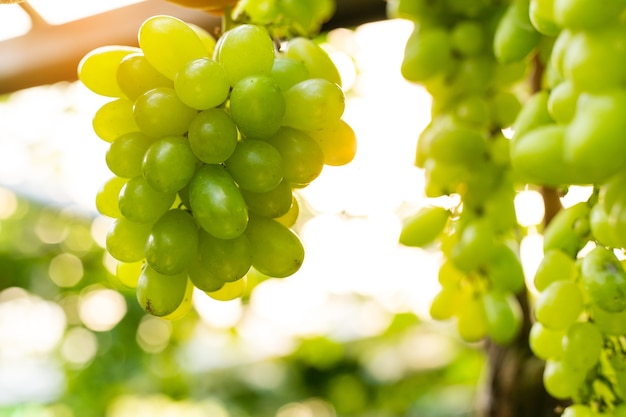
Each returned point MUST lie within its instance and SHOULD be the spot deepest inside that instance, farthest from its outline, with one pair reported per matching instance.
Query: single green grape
(562, 101)
(172, 243)
(107, 197)
(141, 203)
(302, 156)
(128, 272)
(255, 165)
(257, 106)
(276, 250)
(561, 381)
(601, 229)
(135, 75)
(273, 203)
(288, 72)
(315, 59)
(458, 146)
(169, 163)
(471, 320)
(544, 342)
(468, 37)
(185, 305)
(473, 110)
(604, 279)
(568, 230)
(159, 112)
(338, 143)
(585, 14)
(126, 240)
(422, 228)
(313, 104)
(504, 269)
(582, 345)
(475, 246)
(230, 290)
(503, 316)
(427, 53)
(504, 108)
(515, 37)
(446, 302)
(168, 44)
(216, 202)
(225, 259)
(113, 119)
(202, 278)
(158, 294)
(245, 50)
(559, 305)
(289, 219)
(541, 14)
(592, 142)
(538, 156)
(578, 410)
(554, 266)
(533, 114)
(202, 84)
(125, 154)
(213, 136)
(98, 68)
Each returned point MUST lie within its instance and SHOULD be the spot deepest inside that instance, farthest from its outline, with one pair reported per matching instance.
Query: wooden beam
(51, 53)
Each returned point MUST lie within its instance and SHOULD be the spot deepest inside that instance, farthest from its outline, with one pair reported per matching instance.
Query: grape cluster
(208, 142)
(580, 317)
(569, 133)
(470, 69)
(286, 17)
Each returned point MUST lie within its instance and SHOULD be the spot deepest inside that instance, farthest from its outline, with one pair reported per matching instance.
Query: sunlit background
(349, 334)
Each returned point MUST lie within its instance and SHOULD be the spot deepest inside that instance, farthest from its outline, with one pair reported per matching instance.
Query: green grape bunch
(209, 141)
(568, 132)
(463, 151)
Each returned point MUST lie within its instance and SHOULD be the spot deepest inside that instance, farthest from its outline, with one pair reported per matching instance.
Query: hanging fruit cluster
(209, 139)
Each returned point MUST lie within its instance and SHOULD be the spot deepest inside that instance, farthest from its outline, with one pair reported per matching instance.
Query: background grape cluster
(568, 132)
(208, 142)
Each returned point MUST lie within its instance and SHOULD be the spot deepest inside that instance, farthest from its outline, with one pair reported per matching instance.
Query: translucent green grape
(168, 164)
(125, 155)
(169, 43)
(97, 70)
(255, 165)
(141, 203)
(172, 243)
(213, 136)
(159, 112)
(302, 156)
(126, 240)
(257, 106)
(217, 203)
(158, 294)
(225, 259)
(276, 250)
(202, 84)
(245, 50)
(135, 75)
(313, 104)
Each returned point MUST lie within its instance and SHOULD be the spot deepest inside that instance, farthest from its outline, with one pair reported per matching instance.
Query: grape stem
(227, 19)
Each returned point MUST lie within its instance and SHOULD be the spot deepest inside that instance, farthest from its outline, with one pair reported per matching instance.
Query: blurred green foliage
(319, 376)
